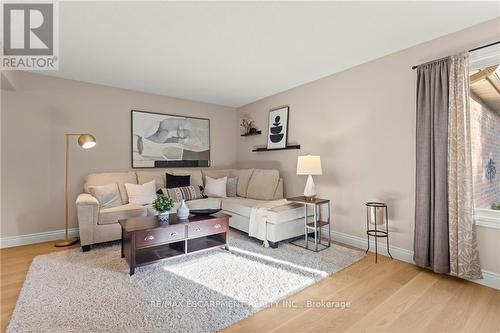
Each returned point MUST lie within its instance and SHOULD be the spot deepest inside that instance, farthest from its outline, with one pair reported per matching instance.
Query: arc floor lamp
(86, 141)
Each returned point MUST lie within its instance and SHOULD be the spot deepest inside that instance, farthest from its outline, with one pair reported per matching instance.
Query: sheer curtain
(464, 255)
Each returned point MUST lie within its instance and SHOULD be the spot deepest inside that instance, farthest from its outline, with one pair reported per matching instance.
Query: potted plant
(247, 125)
(163, 205)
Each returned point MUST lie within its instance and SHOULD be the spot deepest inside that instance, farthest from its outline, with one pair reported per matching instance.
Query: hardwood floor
(391, 296)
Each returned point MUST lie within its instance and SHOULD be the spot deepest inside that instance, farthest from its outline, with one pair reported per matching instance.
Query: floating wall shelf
(286, 148)
(254, 133)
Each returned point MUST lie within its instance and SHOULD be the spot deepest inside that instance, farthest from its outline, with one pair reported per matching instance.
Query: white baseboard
(490, 279)
(396, 252)
(36, 238)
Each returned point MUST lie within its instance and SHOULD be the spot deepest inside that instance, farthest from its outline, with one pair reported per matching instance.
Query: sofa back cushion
(144, 177)
(120, 178)
(263, 184)
(243, 179)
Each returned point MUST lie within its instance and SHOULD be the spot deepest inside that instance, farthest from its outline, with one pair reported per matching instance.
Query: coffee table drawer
(204, 228)
(161, 235)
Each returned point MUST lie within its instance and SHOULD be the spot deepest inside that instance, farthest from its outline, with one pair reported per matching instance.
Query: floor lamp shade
(309, 165)
(86, 141)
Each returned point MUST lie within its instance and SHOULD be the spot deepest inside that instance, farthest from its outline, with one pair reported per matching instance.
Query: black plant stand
(377, 233)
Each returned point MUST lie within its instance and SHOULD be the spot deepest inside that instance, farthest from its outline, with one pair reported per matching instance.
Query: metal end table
(316, 225)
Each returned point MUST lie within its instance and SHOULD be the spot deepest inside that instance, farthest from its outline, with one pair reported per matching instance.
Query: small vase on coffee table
(163, 217)
(183, 211)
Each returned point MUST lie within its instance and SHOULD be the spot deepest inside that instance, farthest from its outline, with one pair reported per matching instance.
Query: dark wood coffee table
(146, 241)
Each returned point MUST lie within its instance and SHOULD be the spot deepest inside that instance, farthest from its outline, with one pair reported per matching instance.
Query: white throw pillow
(107, 195)
(141, 194)
(215, 188)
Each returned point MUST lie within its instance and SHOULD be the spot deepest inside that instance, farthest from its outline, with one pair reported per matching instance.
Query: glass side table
(315, 226)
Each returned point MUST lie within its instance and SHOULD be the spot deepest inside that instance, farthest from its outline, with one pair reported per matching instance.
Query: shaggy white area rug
(72, 291)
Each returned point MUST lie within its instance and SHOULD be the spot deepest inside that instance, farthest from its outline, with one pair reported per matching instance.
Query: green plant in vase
(163, 205)
(495, 206)
(247, 124)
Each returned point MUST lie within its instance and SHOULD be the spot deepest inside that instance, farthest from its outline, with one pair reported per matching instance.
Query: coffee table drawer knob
(150, 237)
(217, 226)
(173, 234)
(197, 229)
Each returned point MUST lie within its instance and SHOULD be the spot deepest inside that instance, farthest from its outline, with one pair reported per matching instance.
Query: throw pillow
(215, 187)
(174, 181)
(141, 194)
(183, 193)
(107, 195)
(232, 186)
(202, 189)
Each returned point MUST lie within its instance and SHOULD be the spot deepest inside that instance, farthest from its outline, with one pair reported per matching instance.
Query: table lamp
(309, 165)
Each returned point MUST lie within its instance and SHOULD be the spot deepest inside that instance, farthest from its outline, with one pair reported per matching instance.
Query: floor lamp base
(66, 242)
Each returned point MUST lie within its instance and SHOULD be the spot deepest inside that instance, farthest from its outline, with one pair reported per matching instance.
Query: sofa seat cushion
(240, 206)
(207, 203)
(112, 215)
(285, 213)
(276, 215)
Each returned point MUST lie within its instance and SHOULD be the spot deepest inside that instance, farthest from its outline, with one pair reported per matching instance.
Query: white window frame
(488, 218)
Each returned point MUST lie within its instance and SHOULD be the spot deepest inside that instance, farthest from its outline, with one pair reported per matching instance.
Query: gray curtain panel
(431, 240)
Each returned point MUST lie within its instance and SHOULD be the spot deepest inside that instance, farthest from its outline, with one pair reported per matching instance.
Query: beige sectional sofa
(255, 187)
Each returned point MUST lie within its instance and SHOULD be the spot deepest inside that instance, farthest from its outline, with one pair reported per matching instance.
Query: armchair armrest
(87, 209)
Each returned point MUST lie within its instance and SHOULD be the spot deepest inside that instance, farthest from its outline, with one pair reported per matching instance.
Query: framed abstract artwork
(163, 140)
(278, 128)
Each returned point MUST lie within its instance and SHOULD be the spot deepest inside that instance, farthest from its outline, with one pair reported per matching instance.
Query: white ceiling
(231, 53)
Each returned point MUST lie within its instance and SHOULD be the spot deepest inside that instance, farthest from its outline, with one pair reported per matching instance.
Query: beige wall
(489, 248)
(41, 109)
(362, 123)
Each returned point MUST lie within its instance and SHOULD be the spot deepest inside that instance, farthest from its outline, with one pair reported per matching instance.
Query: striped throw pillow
(182, 193)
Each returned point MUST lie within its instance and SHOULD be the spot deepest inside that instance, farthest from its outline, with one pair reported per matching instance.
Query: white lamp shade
(309, 165)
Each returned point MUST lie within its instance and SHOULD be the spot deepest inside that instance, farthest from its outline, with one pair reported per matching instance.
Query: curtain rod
(471, 50)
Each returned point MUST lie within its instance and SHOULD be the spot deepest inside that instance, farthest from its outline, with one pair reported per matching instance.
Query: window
(485, 134)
